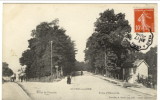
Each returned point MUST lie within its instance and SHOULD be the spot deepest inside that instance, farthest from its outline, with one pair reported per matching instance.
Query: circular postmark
(141, 41)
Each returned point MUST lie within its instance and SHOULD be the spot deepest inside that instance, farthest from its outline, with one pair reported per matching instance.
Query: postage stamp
(144, 20)
(144, 23)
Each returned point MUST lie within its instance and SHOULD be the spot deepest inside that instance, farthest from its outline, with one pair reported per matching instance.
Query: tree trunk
(107, 73)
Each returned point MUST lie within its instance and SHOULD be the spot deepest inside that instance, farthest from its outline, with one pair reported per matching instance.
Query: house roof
(132, 64)
(138, 62)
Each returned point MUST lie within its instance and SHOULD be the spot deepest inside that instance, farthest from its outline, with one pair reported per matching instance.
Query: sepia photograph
(79, 51)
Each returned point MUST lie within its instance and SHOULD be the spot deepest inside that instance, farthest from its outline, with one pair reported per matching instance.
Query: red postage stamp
(144, 20)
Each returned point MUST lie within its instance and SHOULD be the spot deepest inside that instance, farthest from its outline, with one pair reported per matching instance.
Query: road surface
(86, 87)
(12, 91)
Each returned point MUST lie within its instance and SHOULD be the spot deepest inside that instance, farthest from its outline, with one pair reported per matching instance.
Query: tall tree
(6, 71)
(111, 38)
(38, 56)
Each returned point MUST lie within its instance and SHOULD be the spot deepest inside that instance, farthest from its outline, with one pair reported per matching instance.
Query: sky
(77, 19)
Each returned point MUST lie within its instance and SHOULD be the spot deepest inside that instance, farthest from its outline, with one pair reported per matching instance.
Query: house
(139, 70)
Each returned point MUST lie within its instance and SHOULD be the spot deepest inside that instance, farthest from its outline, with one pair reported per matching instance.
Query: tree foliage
(81, 66)
(111, 38)
(38, 57)
(6, 71)
(151, 59)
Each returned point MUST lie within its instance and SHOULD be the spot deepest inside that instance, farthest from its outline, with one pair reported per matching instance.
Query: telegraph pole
(51, 57)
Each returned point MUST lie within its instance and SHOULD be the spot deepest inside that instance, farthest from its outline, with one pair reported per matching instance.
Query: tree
(111, 39)
(80, 66)
(90, 52)
(6, 71)
(38, 57)
(27, 59)
(151, 59)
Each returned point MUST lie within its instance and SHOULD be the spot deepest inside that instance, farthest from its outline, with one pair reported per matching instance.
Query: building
(139, 69)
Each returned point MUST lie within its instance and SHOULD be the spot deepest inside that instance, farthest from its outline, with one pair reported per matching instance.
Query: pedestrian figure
(81, 72)
(68, 79)
(13, 77)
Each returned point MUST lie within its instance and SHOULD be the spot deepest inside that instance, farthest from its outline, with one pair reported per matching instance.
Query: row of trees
(6, 71)
(108, 49)
(37, 57)
(81, 66)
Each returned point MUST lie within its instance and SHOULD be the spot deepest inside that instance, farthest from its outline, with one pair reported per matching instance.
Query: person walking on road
(68, 79)
(81, 72)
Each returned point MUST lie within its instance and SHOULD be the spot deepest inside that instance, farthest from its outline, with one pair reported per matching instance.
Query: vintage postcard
(79, 52)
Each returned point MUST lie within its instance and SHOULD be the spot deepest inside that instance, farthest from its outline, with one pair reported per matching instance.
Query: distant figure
(22, 77)
(68, 79)
(13, 77)
(81, 72)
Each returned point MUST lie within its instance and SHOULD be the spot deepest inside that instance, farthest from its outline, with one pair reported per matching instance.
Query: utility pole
(105, 58)
(51, 57)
